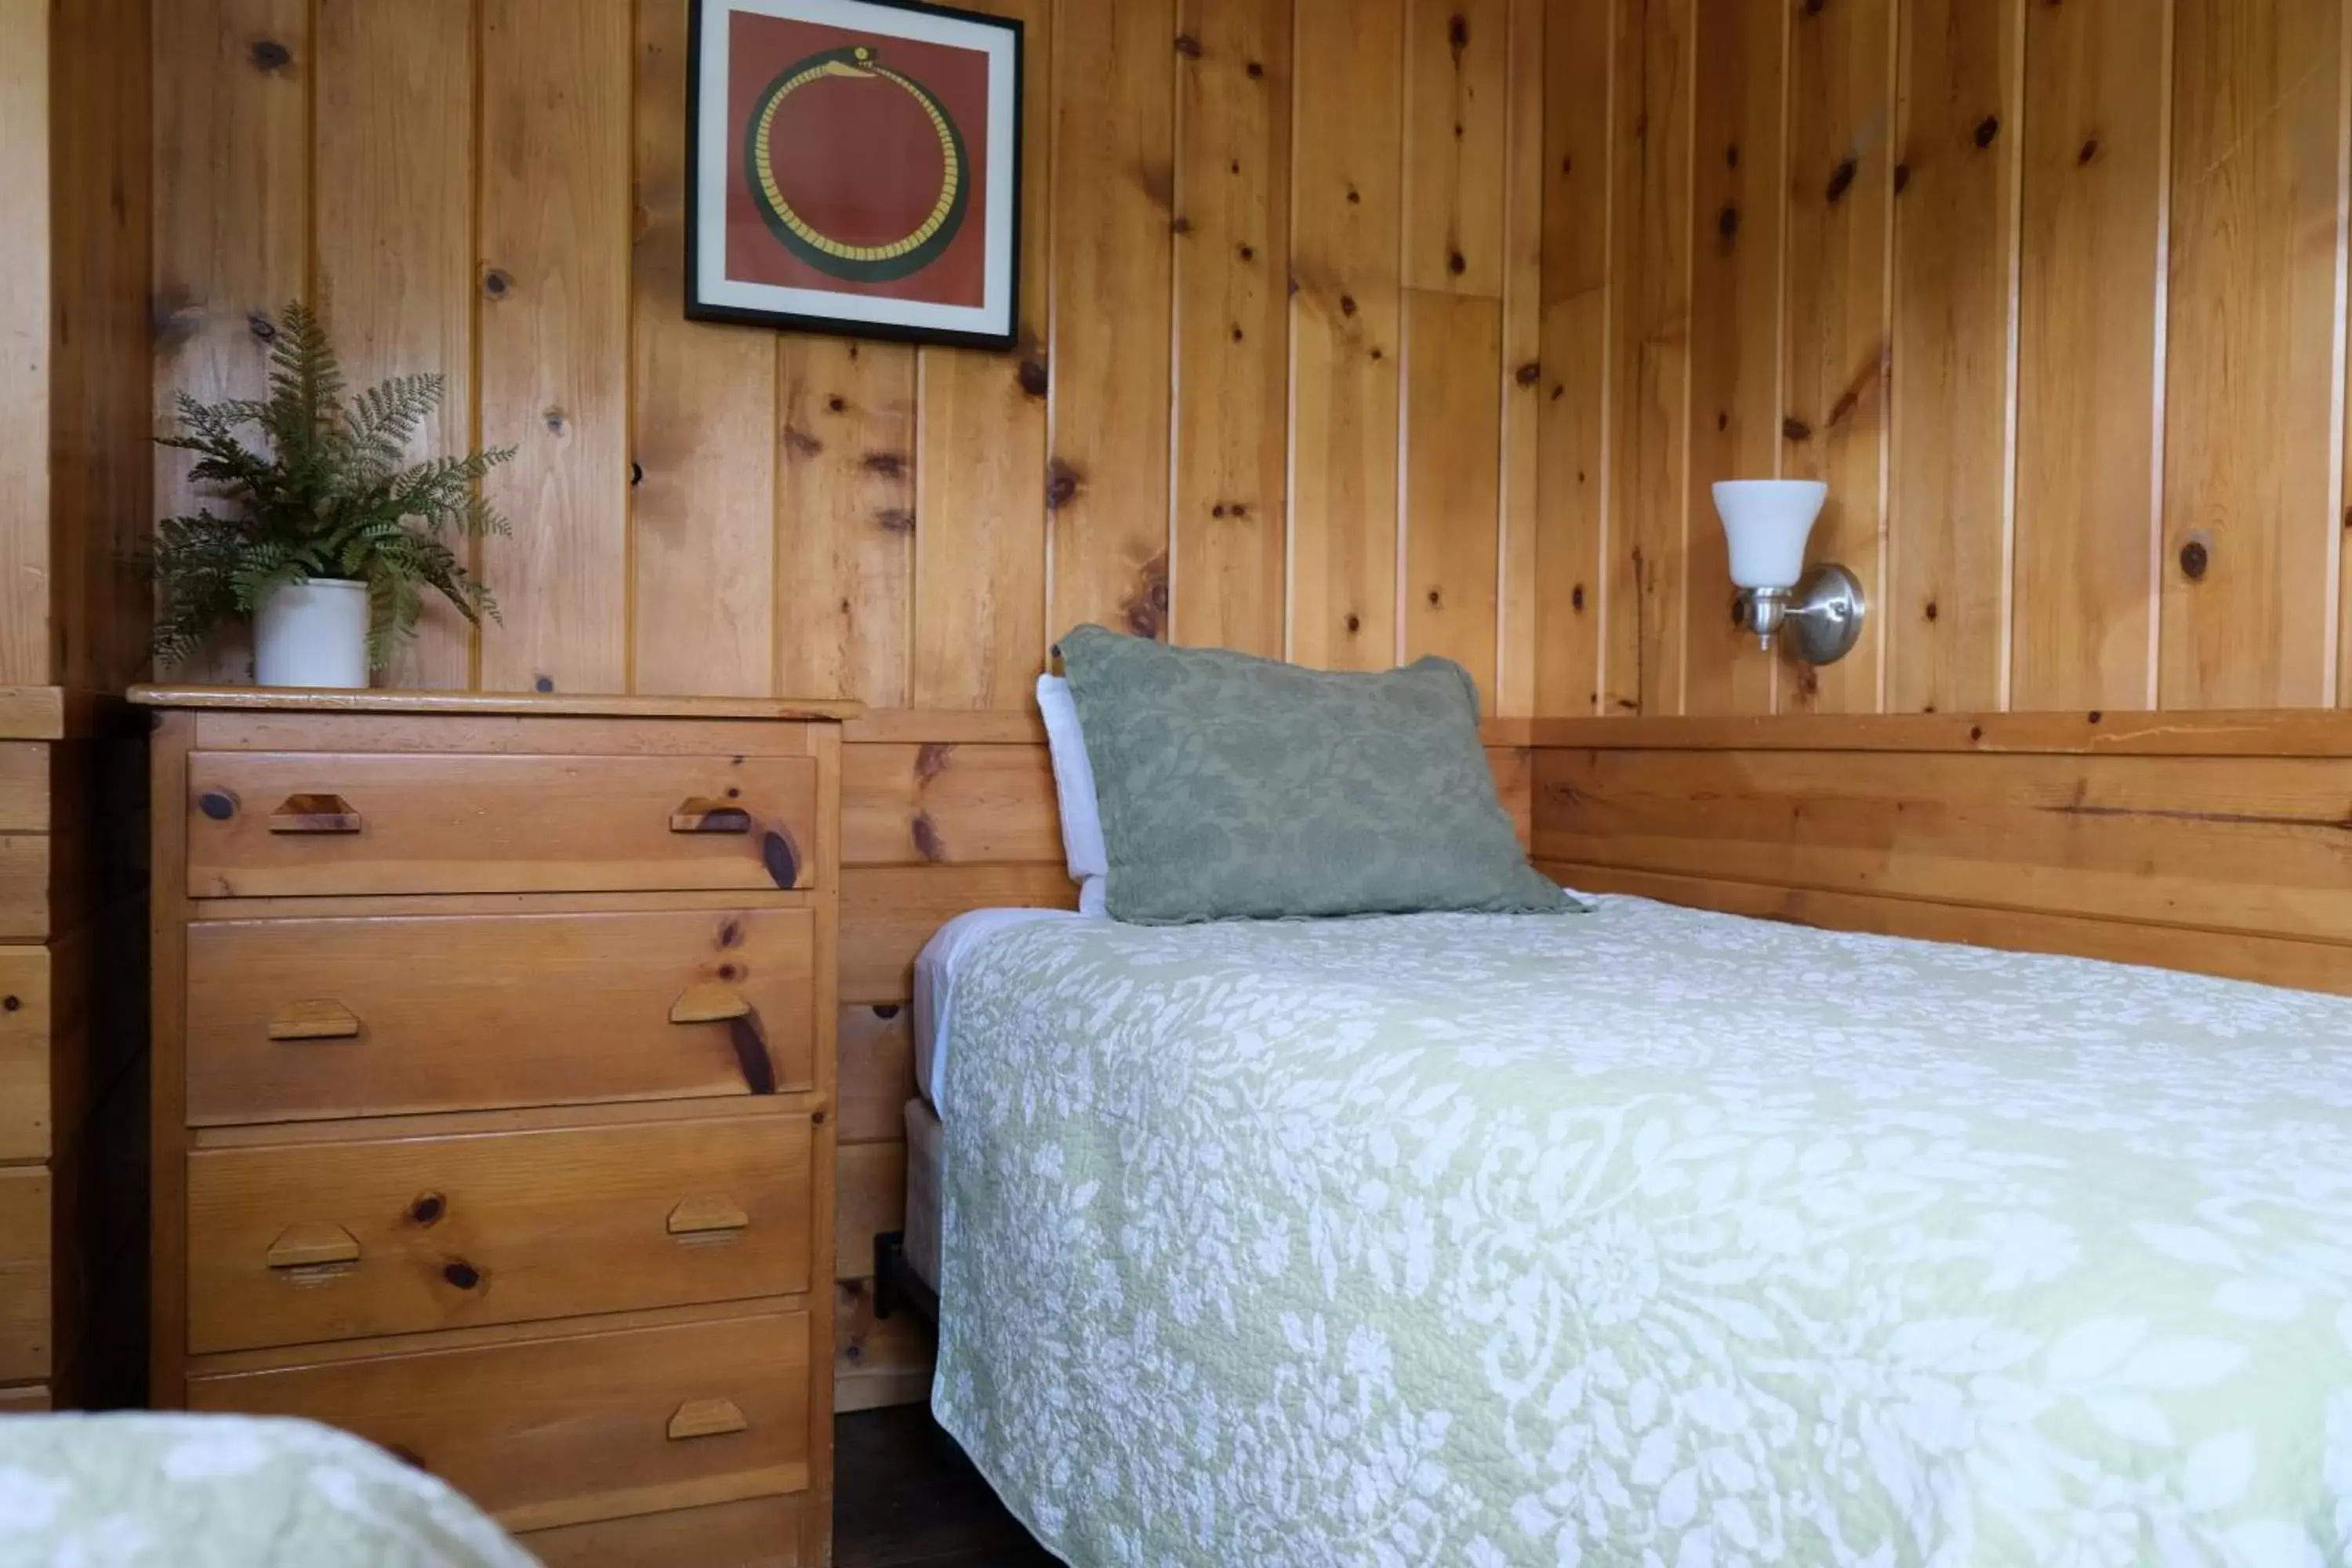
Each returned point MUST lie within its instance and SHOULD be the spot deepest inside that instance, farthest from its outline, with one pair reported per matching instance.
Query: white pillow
(1074, 786)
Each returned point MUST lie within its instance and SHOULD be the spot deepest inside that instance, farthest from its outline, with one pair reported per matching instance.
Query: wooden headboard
(2220, 843)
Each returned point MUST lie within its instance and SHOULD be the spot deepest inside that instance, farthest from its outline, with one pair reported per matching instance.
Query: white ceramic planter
(312, 634)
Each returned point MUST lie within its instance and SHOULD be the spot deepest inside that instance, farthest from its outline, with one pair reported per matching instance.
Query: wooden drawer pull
(314, 1021)
(700, 1216)
(703, 814)
(709, 1001)
(308, 1245)
(314, 814)
(705, 1418)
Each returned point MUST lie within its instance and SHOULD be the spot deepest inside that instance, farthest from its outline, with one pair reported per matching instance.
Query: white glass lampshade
(1766, 522)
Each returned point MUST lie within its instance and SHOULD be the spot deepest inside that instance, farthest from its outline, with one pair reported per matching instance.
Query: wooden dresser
(493, 1081)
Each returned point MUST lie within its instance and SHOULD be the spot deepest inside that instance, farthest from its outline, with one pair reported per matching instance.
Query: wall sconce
(1766, 522)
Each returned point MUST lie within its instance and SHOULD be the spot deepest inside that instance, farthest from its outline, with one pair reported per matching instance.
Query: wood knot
(925, 836)
(1355, 624)
(1031, 377)
(1841, 179)
(1237, 334)
(2194, 561)
(1528, 375)
(1457, 264)
(217, 804)
(428, 1208)
(1256, 70)
(932, 759)
(1902, 177)
(836, 404)
(496, 283)
(1062, 485)
(1795, 429)
(1433, 598)
(269, 54)
(730, 933)
(800, 443)
(12, 1003)
(1457, 32)
(1931, 609)
(1726, 222)
(1347, 304)
(1181, 226)
(1731, 157)
(2089, 150)
(1976, 731)
(461, 1274)
(885, 465)
(1576, 598)
(1249, 253)
(1986, 130)
(555, 420)
(778, 854)
(636, 474)
(1188, 46)
(895, 520)
(2096, 714)
(1355, 196)
(261, 327)
(542, 684)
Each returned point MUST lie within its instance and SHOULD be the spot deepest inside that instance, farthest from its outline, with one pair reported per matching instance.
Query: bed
(1646, 1236)
(227, 1492)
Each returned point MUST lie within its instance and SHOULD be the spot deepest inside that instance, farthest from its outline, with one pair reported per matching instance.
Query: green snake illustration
(856, 263)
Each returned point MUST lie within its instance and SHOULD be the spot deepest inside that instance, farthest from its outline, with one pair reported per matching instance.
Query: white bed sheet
(936, 968)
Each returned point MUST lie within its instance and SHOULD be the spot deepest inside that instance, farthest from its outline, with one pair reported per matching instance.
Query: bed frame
(2220, 843)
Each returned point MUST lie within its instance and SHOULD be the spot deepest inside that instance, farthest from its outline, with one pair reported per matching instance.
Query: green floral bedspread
(225, 1491)
(1653, 1238)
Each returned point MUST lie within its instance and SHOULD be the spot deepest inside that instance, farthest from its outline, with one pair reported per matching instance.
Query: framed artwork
(855, 167)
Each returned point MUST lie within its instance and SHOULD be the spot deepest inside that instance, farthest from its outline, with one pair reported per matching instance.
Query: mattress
(936, 968)
(925, 1144)
(1643, 1236)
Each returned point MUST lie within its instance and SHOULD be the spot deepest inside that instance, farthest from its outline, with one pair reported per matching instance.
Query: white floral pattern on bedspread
(1650, 1236)
(227, 1492)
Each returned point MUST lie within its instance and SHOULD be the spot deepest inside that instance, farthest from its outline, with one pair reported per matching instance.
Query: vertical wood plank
(702, 494)
(1737, 199)
(2250, 539)
(1344, 328)
(1232, 302)
(1580, 56)
(1452, 444)
(980, 541)
(1650, 223)
(25, 370)
(555, 227)
(2087, 266)
(232, 218)
(1457, 85)
(1944, 615)
(1841, 179)
(845, 512)
(395, 237)
(1113, 194)
(1517, 606)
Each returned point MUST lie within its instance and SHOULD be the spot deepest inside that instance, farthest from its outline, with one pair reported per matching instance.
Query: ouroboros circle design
(855, 263)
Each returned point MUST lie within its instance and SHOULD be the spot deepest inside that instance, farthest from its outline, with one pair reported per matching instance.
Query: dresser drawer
(268, 823)
(373, 1017)
(758, 1533)
(24, 1273)
(298, 1243)
(546, 1432)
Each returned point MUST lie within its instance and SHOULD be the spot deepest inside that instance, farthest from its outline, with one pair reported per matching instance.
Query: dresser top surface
(310, 699)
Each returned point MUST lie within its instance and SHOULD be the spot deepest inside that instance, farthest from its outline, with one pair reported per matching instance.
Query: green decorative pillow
(1238, 787)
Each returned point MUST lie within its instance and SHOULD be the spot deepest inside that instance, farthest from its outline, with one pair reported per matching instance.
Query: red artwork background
(859, 159)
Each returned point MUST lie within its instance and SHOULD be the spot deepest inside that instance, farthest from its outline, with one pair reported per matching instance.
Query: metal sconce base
(1821, 616)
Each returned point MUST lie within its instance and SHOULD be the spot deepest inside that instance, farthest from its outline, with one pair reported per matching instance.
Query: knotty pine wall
(1281, 294)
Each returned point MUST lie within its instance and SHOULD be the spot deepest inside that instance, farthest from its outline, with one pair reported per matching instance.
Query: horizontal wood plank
(870, 1188)
(2316, 733)
(2270, 961)
(2235, 844)
(878, 1362)
(765, 1532)
(911, 804)
(577, 705)
(877, 1074)
(888, 913)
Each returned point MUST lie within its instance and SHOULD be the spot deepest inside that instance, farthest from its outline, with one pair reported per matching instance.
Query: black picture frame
(699, 308)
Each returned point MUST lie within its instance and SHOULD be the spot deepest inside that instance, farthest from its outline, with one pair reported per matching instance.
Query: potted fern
(332, 539)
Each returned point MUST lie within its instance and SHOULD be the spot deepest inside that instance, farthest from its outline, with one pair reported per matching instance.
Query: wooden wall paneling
(1957, 137)
(1579, 55)
(101, 387)
(2251, 540)
(1453, 473)
(877, 1044)
(1232, 336)
(393, 236)
(2088, 340)
(1518, 607)
(1839, 371)
(1345, 329)
(555, 233)
(845, 518)
(980, 541)
(877, 1361)
(25, 362)
(936, 803)
(704, 512)
(1646, 567)
(888, 912)
(1112, 216)
(1457, 86)
(232, 184)
(1737, 202)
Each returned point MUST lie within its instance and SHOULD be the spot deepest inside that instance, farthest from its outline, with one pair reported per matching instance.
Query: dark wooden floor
(905, 1496)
